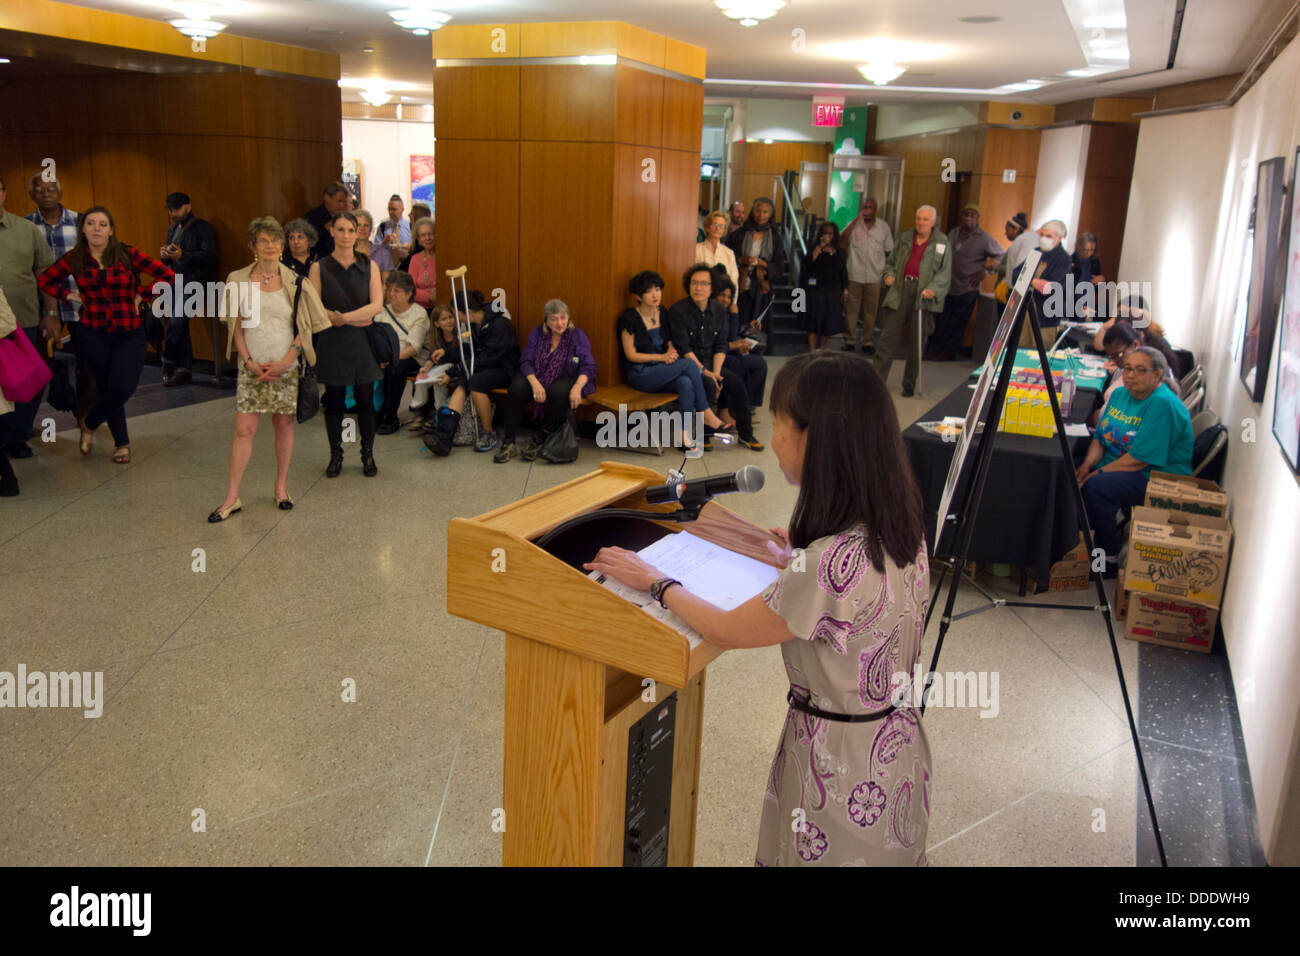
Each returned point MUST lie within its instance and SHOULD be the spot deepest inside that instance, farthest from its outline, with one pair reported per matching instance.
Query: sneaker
(507, 451)
(534, 448)
(486, 442)
(752, 443)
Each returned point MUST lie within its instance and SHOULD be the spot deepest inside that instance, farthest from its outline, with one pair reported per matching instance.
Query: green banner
(850, 139)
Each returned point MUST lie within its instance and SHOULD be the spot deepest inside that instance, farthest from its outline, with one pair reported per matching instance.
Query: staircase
(784, 337)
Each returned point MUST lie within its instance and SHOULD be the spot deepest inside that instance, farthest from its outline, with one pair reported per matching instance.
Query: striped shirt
(61, 236)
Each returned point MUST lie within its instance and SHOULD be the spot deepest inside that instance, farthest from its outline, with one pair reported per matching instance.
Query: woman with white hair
(556, 369)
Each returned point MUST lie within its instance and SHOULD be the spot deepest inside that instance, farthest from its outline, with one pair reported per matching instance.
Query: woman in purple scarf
(556, 370)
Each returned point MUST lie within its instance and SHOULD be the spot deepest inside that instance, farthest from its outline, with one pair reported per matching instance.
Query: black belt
(804, 707)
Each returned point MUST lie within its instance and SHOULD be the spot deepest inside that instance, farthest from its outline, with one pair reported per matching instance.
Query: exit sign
(828, 114)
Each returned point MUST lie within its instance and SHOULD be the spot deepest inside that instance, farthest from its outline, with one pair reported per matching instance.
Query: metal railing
(791, 229)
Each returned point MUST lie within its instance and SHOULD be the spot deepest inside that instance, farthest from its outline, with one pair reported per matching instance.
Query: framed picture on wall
(1286, 402)
(1262, 299)
(422, 179)
(352, 178)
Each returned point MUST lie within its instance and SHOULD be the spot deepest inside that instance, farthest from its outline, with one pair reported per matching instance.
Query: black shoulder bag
(308, 388)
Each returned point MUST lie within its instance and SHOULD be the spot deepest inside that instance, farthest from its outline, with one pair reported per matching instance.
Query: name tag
(940, 249)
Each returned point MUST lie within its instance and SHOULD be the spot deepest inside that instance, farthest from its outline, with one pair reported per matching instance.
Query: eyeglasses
(1136, 369)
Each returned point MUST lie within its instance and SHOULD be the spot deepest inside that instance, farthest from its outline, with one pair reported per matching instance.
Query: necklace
(266, 279)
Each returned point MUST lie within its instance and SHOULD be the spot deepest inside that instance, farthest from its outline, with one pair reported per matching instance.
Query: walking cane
(920, 338)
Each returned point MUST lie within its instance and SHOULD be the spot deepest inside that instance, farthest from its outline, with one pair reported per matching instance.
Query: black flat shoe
(222, 514)
(284, 504)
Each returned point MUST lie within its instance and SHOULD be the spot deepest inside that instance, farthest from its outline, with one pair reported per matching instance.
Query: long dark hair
(114, 253)
(855, 468)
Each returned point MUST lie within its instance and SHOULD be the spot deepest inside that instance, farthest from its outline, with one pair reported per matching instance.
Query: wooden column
(568, 160)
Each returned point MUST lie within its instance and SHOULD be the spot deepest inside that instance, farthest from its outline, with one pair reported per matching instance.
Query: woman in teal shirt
(1144, 426)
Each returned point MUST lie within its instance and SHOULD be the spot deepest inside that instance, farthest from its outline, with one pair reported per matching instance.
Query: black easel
(968, 509)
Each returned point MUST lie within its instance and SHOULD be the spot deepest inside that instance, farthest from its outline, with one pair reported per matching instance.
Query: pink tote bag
(22, 373)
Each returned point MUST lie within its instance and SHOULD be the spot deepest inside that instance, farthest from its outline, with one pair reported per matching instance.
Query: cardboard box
(1072, 573)
(1178, 555)
(1166, 621)
(1186, 494)
(1121, 596)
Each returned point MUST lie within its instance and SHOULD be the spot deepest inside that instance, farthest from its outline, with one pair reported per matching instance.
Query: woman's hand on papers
(626, 567)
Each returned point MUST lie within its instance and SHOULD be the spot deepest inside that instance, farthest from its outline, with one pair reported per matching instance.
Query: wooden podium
(576, 659)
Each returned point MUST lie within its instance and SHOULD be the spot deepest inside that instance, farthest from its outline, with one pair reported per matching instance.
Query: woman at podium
(850, 782)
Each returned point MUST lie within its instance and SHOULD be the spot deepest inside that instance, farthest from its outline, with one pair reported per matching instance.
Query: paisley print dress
(845, 794)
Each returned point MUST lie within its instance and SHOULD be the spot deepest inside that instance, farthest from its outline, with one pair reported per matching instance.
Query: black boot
(334, 431)
(8, 480)
(366, 419)
(444, 432)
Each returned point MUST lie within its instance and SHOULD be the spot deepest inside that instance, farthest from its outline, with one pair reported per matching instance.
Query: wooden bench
(610, 398)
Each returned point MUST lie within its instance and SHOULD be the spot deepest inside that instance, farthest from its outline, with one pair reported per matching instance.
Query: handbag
(561, 445)
(308, 388)
(383, 343)
(467, 428)
(22, 371)
(62, 395)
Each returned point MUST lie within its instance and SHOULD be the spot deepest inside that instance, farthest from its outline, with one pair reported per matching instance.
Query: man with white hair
(918, 274)
(1052, 269)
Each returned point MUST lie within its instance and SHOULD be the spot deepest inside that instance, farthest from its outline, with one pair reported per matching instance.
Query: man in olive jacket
(918, 273)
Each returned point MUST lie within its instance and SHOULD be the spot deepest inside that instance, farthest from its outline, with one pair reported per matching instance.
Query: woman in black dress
(826, 281)
(353, 295)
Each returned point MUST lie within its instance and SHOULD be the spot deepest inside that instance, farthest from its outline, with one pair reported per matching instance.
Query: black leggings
(115, 359)
(335, 397)
(557, 404)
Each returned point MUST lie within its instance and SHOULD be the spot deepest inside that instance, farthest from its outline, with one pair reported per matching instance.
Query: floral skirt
(262, 398)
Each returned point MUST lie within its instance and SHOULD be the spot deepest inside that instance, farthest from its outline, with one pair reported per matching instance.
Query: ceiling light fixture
(419, 20)
(749, 12)
(376, 96)
(197, 21)
(881, 73)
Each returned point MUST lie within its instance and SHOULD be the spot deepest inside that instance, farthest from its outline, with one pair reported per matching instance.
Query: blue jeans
(682, 377)
(1103, 495)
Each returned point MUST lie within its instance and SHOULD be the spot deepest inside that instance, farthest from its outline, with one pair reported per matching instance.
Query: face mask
(1046, 243)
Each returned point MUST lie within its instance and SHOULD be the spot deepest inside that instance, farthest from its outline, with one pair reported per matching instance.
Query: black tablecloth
(1028, 514)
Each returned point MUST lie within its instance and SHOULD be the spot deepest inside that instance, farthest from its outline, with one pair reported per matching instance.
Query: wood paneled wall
(760, 162)
(241, 144)
(998, 201)
(923, 166)
(563, 181)
(1107, 181)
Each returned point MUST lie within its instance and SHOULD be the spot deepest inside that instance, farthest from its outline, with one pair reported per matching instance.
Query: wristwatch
(659, 587)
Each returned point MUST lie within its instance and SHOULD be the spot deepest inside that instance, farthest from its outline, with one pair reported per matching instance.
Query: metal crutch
(920, 343)
(463, 334)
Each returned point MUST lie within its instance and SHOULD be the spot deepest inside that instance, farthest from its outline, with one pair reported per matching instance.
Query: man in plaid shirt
(59, 226)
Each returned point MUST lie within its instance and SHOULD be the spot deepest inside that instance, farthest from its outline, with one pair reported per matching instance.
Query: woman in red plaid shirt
(111, 342)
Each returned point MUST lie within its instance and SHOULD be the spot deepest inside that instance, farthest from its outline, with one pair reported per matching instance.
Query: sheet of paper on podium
(719, 576)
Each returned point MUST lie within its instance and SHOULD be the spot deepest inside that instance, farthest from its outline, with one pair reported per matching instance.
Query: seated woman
(1143, 426)
(442, 348)
(741, 360)
(1121, 338)
(556, 370)
(496, 359)
(411, 323)
(853, 763)
(698, 327)
(653, 364)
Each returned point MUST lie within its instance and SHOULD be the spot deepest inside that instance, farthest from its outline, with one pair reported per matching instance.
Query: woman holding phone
(852, 767)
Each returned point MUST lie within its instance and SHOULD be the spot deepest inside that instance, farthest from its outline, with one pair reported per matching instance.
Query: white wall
(1058, 188)
(384, 148)
(785, 121)
(1193, 182)
(916, 118)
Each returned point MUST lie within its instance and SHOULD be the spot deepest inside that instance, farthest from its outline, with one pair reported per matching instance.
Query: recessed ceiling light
(979, 19)
(749, 12)
(419, 17)
(367, 49)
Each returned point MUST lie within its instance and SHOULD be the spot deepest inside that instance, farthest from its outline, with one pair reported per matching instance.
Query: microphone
(749, 479)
